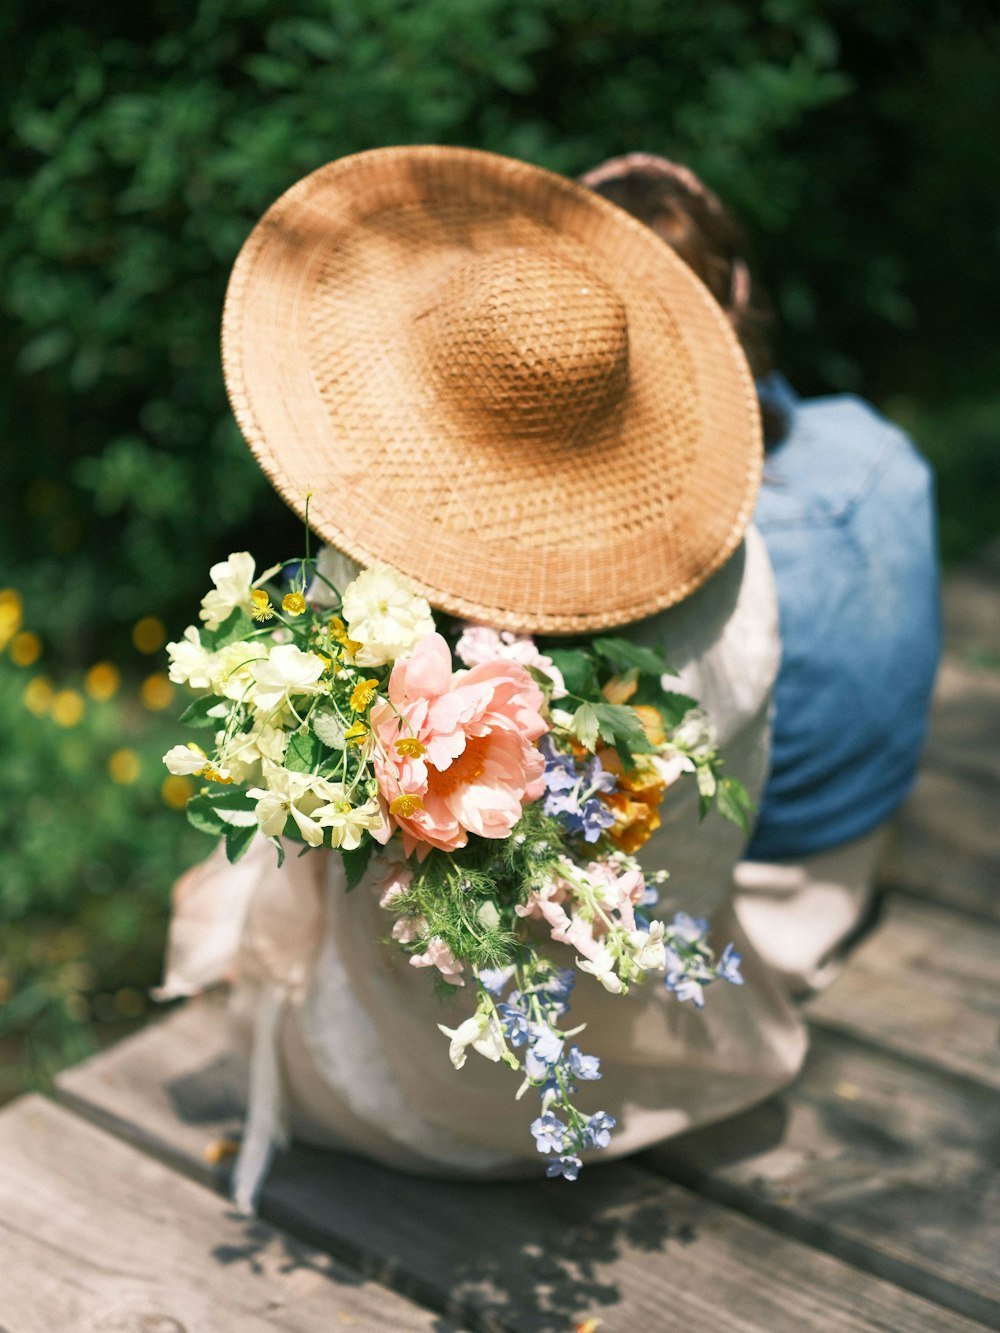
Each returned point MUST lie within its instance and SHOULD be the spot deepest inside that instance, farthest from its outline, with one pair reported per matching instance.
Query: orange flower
(620, 689)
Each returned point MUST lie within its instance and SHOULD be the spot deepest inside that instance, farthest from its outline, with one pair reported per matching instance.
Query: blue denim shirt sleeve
(847, 513)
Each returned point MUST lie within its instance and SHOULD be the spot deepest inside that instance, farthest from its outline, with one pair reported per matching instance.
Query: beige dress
(343, 1033)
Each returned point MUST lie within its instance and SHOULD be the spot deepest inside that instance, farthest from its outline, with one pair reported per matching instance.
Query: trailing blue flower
(584, 1067)
(597, 1133)
(567, 1166)
(728, 966)
(514, 1022)
(549, 1132)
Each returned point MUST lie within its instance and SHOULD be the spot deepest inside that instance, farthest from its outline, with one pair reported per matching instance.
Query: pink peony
(479, 763)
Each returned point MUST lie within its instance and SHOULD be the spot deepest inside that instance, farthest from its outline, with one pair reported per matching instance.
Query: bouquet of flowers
(493, 794)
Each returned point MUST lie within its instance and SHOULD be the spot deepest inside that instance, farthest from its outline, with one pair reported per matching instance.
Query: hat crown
(536, 337)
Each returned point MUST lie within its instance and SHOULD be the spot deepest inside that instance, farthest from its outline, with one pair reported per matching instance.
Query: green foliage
(88, 866)
(142, 147)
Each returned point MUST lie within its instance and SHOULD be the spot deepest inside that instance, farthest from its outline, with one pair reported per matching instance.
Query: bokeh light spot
(67, 708)
(38, 695)
(26, 648)
(102, 680)
(157, 692)
(149, 634)
(124, 767)
(176, 791)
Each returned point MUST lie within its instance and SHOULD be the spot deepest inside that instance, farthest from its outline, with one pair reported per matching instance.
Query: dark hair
(671, 200)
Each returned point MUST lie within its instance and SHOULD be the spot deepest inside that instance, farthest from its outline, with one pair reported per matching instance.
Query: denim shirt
(847, 513)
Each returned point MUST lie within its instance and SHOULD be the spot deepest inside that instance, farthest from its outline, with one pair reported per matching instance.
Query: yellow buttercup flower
(338, 632)
(262, 608)
(293, 603)
(405, 805)
(410, 748)
(362, 694)
(356, 734)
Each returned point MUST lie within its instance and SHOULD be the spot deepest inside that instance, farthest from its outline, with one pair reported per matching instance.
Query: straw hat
(496, 381)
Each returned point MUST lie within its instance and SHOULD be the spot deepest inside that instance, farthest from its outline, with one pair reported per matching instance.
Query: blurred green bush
(142, 142)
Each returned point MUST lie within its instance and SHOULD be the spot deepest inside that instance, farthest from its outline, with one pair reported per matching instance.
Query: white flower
(332, 566)
(385, 616)
(480, 644)
(232, 667)
(345, 821)
(286, 671)
(233, 579)
(647, 948)
(481, 1032)
(408, 928)
(602, 967)
(184, 760)
(437, 954)
(696, 735)
(190, 663)
(671, 764)
(247, 751)
(288, 793)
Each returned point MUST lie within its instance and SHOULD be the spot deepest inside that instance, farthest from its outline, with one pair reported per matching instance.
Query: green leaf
(201, 814)
(586, 725)
(356, 863)
(281, 851)
(620, 726)
(577, 668)
(238, 841)
(304, 752)
(236, 626)
(196, 713)
(733, 803)
(625, 656)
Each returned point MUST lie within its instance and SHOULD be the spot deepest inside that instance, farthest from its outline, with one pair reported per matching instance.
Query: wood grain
(925, 984)
(99, 1238)
(621, 1244)
(882, 1162)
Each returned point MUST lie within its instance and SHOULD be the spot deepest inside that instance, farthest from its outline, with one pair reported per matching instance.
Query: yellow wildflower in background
(38, 696)
(67, 708)
(362, 694)
(102, 680)
(149, 634)
(124, 766)
(294, 603)
(156, 692)
(10, 615)
(175, 791)
(26, 648)
(410, 748)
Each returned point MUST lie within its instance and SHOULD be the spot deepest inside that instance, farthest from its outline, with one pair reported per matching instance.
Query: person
(847, 514)
(493, 380)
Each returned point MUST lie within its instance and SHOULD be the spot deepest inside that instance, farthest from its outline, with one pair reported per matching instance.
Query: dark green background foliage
(142, 142)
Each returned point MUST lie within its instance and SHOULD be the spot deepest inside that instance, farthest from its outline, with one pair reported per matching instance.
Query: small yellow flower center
(410, 748)
(406, 805)
(214, 775)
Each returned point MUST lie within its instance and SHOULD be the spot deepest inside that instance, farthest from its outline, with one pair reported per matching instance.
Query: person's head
(671, 200)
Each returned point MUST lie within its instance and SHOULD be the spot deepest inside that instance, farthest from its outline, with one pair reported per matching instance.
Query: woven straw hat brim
(354, 378)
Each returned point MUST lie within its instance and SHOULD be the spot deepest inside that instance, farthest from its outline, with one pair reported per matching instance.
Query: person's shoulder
(838, 452)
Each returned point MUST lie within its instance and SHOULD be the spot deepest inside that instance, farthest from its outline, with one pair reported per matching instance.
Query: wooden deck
(866, 1197)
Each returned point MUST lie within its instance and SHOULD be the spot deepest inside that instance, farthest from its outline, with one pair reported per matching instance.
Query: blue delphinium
(571, 793)
(597, 1133)
(728, 966)
(567, 1166)
(549, 1132)
(583, 1066)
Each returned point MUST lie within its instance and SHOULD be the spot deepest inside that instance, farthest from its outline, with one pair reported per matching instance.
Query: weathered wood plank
(887, 1164)
(621, 1244)
(926, 984)
(965, 722)
(97, 1236)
